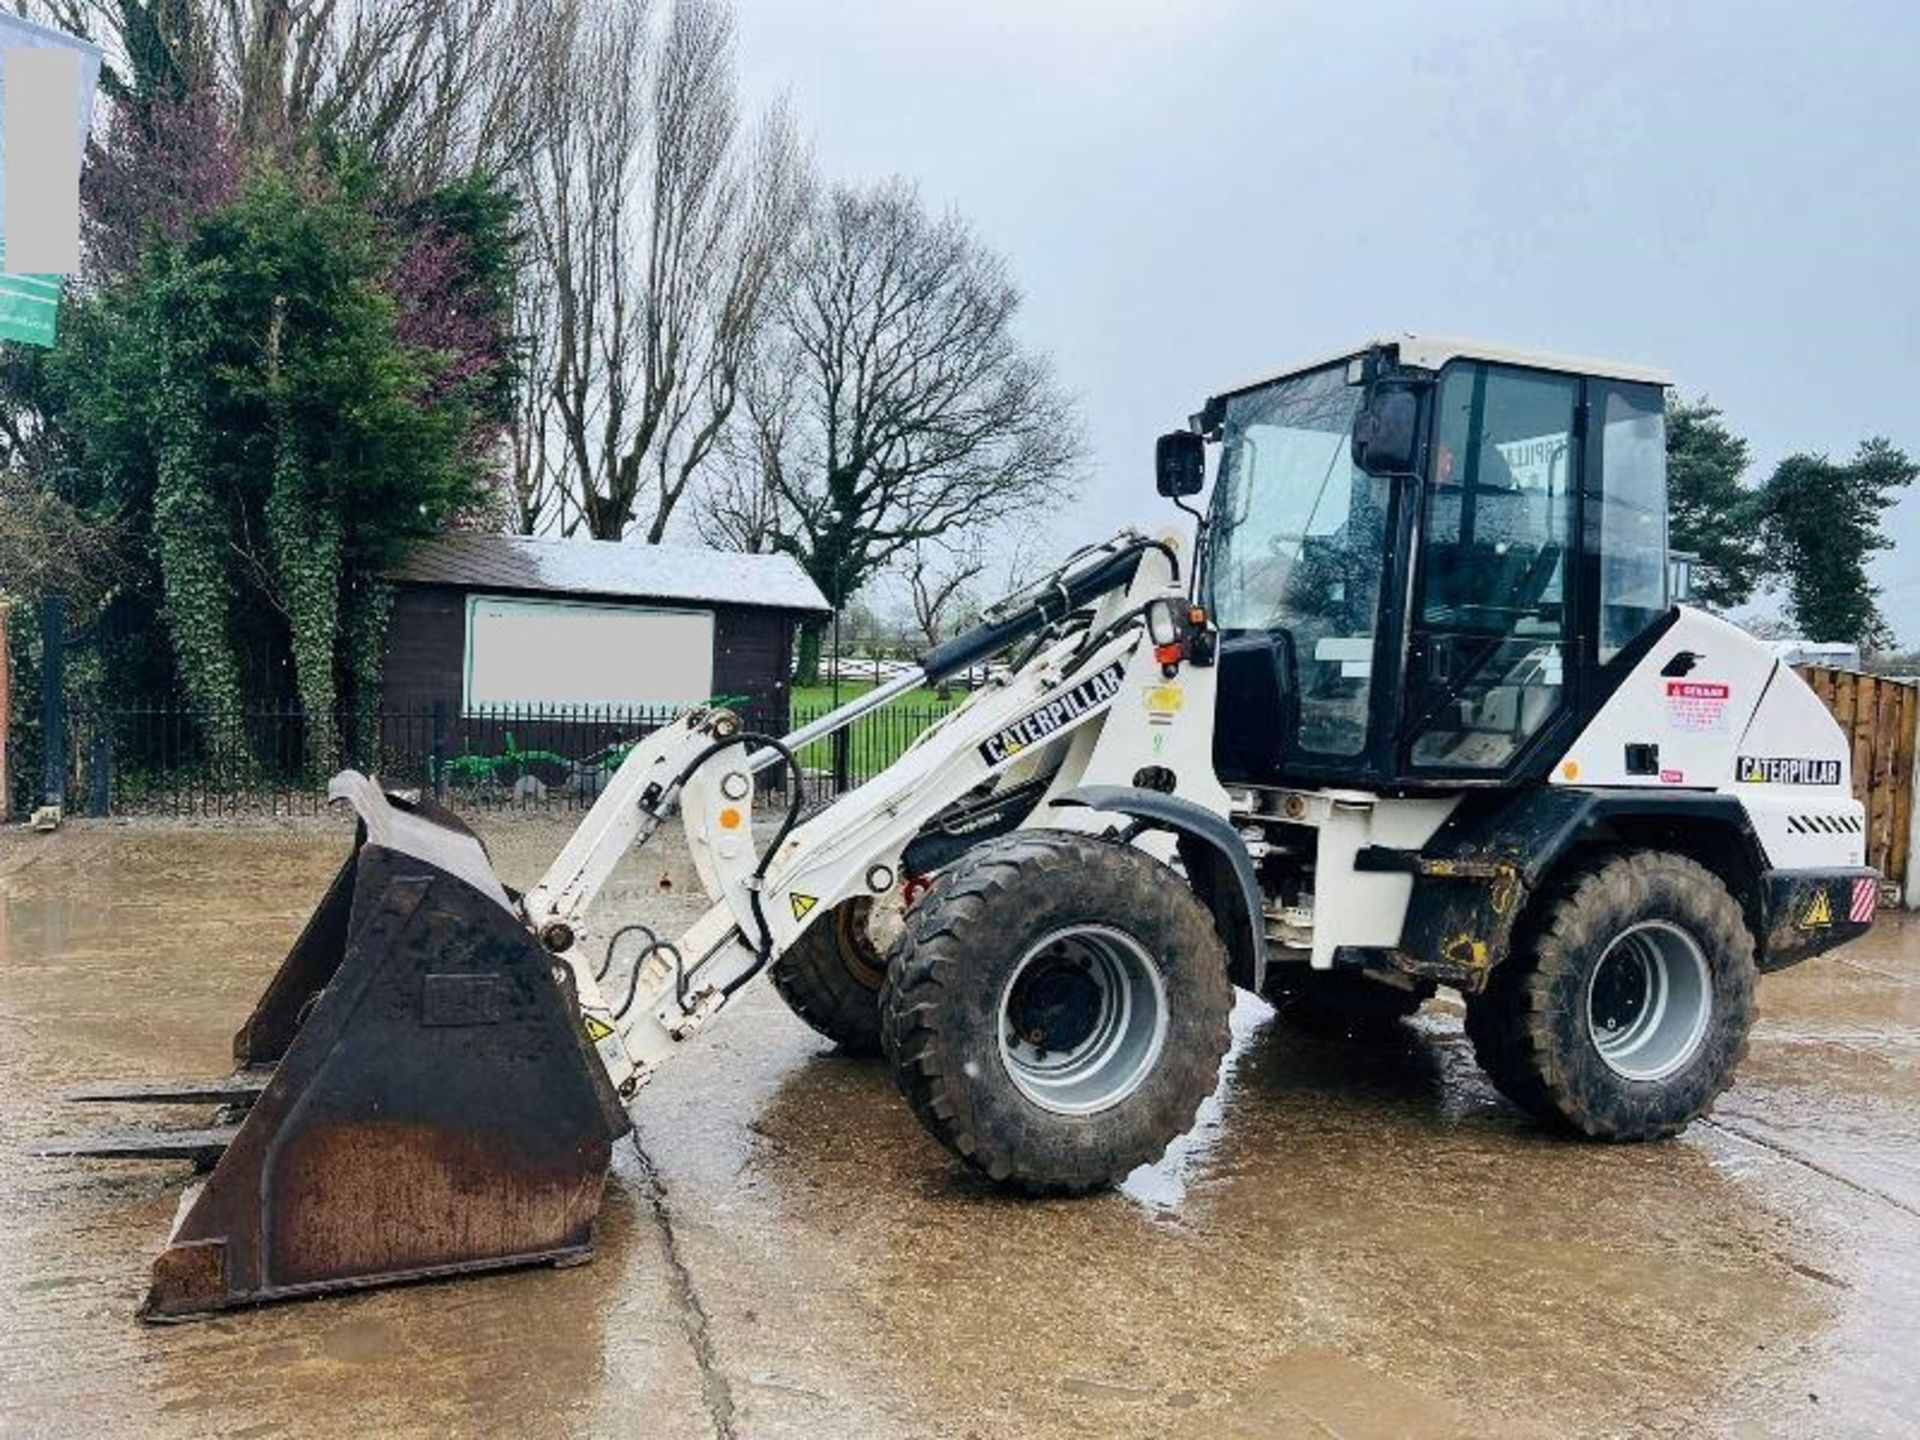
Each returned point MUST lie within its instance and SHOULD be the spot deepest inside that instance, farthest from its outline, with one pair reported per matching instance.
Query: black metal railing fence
(164, 757)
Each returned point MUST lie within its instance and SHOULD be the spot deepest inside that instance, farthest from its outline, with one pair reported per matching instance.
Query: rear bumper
(1807, 912)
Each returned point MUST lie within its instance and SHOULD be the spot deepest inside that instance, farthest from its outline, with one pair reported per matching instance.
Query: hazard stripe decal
(1824, 824)
(1866, 894)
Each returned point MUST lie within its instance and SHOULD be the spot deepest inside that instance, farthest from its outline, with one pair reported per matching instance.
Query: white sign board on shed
(560, 653)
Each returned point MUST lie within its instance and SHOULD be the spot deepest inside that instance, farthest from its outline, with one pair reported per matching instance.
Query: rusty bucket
(413, 1094)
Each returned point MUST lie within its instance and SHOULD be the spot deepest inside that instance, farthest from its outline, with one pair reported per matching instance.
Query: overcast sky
(1193, 192)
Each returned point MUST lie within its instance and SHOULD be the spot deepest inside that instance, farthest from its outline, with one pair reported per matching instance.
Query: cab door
(1492, 623)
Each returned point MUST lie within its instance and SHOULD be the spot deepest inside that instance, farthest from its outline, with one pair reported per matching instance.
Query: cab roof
(1430, 352)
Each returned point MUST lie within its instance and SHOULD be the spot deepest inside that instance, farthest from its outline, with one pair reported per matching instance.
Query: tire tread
(933, 955)
(1511, 1023)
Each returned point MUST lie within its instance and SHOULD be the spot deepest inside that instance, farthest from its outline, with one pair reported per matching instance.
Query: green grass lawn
(818, 699)
(876, 740)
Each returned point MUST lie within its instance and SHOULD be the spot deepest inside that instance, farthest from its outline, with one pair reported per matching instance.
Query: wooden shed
(485, 625)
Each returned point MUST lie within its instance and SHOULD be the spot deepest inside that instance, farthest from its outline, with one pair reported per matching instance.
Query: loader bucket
(414, 1094)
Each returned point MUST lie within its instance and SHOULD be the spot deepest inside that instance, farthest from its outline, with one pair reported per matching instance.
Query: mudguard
(1217, 865)
(1472, 880)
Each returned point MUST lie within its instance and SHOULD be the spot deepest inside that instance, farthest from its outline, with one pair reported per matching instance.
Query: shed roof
(548, 566)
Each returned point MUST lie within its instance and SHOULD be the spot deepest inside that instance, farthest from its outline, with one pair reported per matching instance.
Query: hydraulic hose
(763, 950)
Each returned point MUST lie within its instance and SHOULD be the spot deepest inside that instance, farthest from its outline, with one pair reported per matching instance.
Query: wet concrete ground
(1358, 1240)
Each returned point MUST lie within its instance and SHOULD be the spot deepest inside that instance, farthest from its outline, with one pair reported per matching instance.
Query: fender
(1217, 865)
(1473, 879)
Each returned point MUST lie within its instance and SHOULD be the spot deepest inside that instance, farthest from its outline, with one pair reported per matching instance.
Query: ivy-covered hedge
(274, 407)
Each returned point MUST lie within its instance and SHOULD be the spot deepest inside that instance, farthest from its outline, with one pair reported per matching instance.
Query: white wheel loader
(1418, 712)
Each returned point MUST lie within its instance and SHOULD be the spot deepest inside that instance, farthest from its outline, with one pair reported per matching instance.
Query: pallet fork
(412, 1095)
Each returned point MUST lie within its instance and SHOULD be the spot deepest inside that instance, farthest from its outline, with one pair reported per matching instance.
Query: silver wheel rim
(1082, 1020)
(1649, 1001)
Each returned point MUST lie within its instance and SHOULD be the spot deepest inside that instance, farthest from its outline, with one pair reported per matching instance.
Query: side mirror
(1386, 432)
(1180, 464)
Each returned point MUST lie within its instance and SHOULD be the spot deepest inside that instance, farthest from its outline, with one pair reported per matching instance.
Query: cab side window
(1490, 625)
(1633, 514)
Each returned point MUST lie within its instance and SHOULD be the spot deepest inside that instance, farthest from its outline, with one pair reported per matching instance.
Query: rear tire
(1342, 1003)
(1625, 1007)
(831, 977)
(1057, 1010)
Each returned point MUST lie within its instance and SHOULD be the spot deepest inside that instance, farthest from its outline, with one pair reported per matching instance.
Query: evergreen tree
(252, 406)
(1822, 523)
(1711, 513)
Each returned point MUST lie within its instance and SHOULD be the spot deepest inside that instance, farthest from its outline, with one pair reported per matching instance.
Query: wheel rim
(860, 951)
(1082, 1020)
(1649, 1000)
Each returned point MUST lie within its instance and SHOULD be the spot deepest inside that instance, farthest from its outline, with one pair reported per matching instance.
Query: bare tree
(741, 509)
(534, 482)
(430, 88)
(938, 581)
(913, 413)
(661, 227)
(767, 203)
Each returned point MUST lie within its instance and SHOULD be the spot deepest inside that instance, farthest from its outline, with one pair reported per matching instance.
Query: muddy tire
(831, 977)
(1625, 1007)
(1057, 1010)
(1342, 1003)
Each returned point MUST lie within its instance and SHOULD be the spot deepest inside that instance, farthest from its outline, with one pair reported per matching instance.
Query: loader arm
(704, 766)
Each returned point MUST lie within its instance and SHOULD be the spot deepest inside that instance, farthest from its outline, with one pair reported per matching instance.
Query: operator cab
(1431, 560)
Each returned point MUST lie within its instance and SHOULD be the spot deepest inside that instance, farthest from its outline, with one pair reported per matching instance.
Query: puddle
(1356, 1237)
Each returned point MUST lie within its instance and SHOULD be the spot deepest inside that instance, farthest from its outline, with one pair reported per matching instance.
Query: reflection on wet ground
(1357, 1239)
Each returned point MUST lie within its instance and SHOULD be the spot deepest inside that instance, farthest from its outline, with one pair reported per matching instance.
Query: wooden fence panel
(1906, 753)
(1879, 716)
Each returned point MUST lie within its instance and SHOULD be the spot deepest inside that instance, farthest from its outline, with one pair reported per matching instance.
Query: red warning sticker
(1697, 705)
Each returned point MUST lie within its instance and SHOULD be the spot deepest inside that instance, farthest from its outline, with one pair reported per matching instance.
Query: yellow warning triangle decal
(1819, 912)
(802, 904)
(596, 1028)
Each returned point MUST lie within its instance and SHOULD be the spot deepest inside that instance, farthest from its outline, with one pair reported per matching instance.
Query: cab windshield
(1299, 542)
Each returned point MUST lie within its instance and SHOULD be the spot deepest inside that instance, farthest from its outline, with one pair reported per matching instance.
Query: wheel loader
(1416, 709)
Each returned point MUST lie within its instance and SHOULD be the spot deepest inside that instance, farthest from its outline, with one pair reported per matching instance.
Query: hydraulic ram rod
(1049, 606)
(835, 719)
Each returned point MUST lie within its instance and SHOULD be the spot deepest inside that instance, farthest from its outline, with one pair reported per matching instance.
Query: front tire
(830, 977)
(1625, 1008)
(1057, 1010)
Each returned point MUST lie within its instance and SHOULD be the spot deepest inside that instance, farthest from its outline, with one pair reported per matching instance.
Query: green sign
(29, 305)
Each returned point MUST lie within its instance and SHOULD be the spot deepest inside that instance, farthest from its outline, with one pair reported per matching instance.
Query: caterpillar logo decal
(1085, 698)
(1783, 770)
